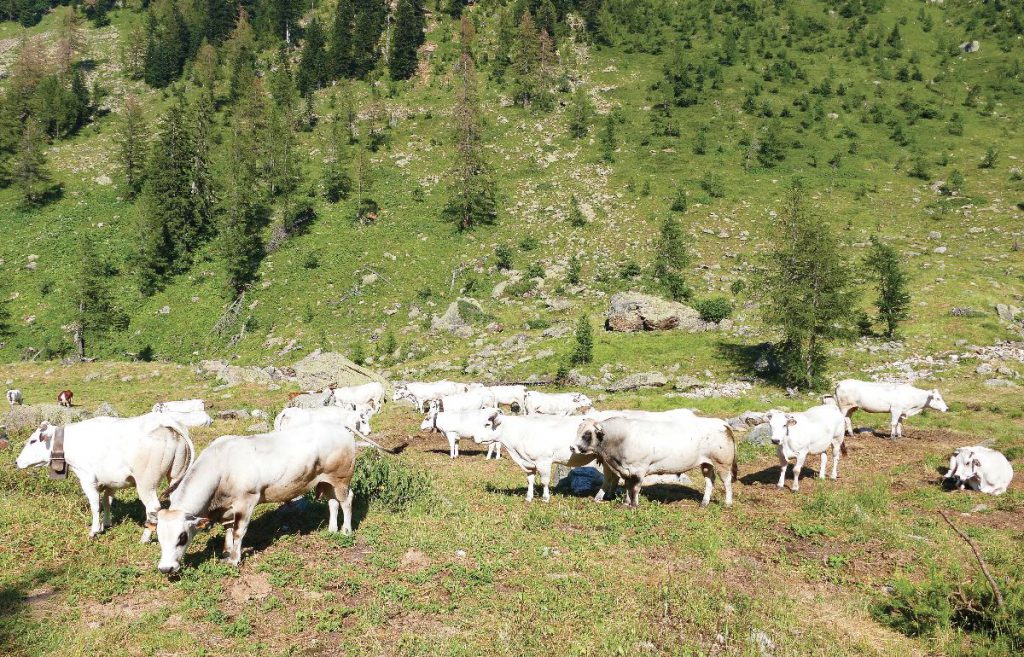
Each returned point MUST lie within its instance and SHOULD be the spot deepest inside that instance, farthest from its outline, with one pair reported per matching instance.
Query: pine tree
(406, 38)
(204, 71)
(167, 44)
(672, 259)
(547, 18)
(580, 113)
(609, 141)
(6, 328)
(241, 55)
(218, 19)
(370, 16)
(893, 300)
(69, 38)
(576, 218)
(93, 312)
(806, 293)
(314, 66)
(131, 141)
(583, 344)
(525, 56)
(28, 167)
(243, 211)
(341, 40)
(771, 150)
(471, 199)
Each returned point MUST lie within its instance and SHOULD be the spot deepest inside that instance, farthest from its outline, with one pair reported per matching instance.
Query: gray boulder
(106, 410)
(24, 419)
(320, 369)
(1007, 313)
(310, 399)
(638, 380)
(635, 311)
(759, 435)
(451, 321)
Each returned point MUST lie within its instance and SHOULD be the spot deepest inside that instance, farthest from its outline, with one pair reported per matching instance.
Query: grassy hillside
(312, 290)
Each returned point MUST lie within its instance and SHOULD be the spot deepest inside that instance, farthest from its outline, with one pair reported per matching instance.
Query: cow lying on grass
(980, 468)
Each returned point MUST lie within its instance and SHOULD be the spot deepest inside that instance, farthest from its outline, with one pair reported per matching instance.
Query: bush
(389, 482)
(572, 272)
(358, 354)
(737, 286)
(714, 309)
(535, 270)
(676, 287)
(583, 348)
(521, 288)
(529, 243)
(679, 200)
(712, 184)
(504, 257)
(311, 261)
(630, 270)
(336, 184)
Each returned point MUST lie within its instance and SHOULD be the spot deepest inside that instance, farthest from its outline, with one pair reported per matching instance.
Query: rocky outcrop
(638, 380)
(634, 311)
(23, 419)
(320, 369)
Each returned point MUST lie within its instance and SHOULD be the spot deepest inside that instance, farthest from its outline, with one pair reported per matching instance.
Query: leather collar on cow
(58, 466)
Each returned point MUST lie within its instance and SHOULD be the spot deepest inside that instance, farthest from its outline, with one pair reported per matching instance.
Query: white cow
(675, 413)
(421, 393)
(192, 413)
(356, 421)
(535, 444)
(981, 468)
(636, 448)
(562, 403)
(236, 473)
(14, 397)
(511, 396)
(472, 400)
(460, 424)
(812, 432)
(107, 454)
(368, 394)
(899, 400)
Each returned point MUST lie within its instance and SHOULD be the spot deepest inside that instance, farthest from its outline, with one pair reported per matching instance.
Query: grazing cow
(636, 448)
(460, 424)
(535, 444)
(981, 468)
(899, 400)
(675, 413)
(368, 394)
(64, 398)
(563, 403)
(107, 454)
(358, 422)
(422, 393)
(192, 413)
(473, 400)
(14, 397)
(513, 396)
(236, 473)
(811, 432)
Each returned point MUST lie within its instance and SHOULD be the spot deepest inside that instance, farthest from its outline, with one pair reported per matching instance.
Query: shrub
(714, 309)
(989, 161)
(572, 272)
(538, 323)
(676, 287)
(583, 349)
(521, 288)
(529, 243)
(576, 218)
(679, 200)
(389, 482)
(311, 261)
(336, 184)
(630, 270)
(712, 184)
(737, 286)
(503, 254)
(358, 354)
(535, 270)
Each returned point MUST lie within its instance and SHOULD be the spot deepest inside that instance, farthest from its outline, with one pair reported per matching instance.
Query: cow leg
(149, 499)
(848, 421)
(894, 425)
(837, 450)
(726, 474)
(453, 444)
(106, 495)
(611, 480)
(229, 539)
(241, 525)
(797, 469)
(783, 464)
(545, 480)
(824, 462)
(347, 496)
(633, 491)
(530, 477)
(92, 493)
(709, 483)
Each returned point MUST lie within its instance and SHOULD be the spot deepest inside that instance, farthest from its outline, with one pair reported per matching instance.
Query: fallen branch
(977, 555)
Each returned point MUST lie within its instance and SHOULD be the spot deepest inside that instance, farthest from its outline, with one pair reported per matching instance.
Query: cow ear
(496, 419)
(790, 421)
(976, 463)
(202, 523)
(599, 432)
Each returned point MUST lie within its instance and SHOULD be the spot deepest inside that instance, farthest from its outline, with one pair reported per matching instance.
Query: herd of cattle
(313, 448)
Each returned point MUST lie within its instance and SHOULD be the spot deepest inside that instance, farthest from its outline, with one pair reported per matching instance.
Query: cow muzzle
(169, 569)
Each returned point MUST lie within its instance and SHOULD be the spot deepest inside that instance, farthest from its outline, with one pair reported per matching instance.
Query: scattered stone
(234, 414)
(970, 46)
(1007, 313)
(259, 427)
(499, 289)
(451, 321)
(105, 410)
(759, 435)
(984, 368)
(1000, 383)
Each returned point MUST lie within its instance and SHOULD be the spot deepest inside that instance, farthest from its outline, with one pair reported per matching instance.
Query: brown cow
(64, 398)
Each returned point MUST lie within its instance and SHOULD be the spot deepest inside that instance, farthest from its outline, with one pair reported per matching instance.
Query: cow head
(780, 424)
(936, 401)
(488, 433)
(363, 423)
(582, 400)
(175, 530)
(37, 450)
(429, 423)
(589, 437)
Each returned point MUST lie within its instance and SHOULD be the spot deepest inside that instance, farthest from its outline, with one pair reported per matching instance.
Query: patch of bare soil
(248, 587)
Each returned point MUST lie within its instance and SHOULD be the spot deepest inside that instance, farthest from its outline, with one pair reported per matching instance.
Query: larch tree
(893, 301)
(471, 200)
(340, 47)
(806, 293)
(131, 143)
(27, 168)
(93, 312)
(314, 65)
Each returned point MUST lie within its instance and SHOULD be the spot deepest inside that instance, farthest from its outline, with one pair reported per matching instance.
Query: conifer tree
(244, 210)
(806, 293)
(131, 141)
(341, 40)
(583, 344)
(167, 44)
(241, 55)
(370, 16)
(471, 199)
(28, 167)
(313, 70)
(580, 113)
(893, 300)
(525, 60)
(406, 38)
(672, 259)
(93, 312)
(608, 138)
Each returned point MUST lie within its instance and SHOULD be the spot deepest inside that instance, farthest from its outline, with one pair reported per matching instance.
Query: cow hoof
(346, 531)
(704, 505)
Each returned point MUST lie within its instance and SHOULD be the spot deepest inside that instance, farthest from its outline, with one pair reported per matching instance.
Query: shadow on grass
(770, 475)
(462, 452)
(744, 358)
(16, 603)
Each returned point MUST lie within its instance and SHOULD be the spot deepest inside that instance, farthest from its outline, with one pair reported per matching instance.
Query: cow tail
(375, 445)
(735, 453)
(842, 447)
(180, 466)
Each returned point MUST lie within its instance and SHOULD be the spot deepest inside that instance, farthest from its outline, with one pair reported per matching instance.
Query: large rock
(24, 419)
(233, 374)
(451, 321)
(634, 311)
(638, 380)
(310, 399)
(1007, 313)
(320, 369)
